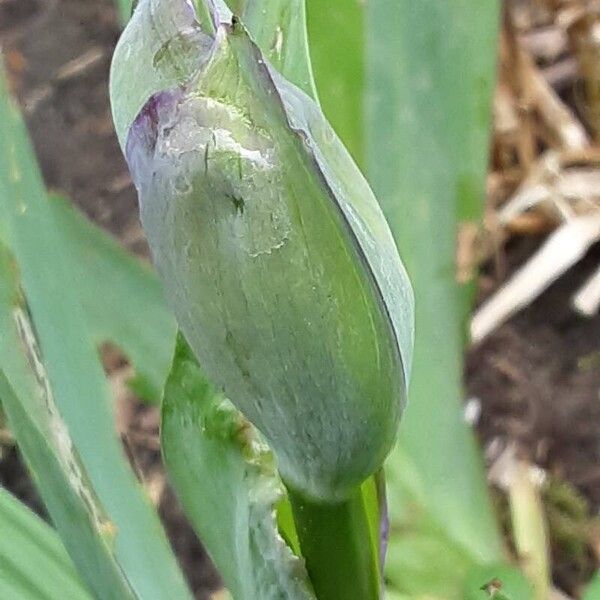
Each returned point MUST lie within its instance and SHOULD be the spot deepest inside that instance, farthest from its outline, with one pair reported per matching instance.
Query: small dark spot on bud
(235, 22)
(237, 202)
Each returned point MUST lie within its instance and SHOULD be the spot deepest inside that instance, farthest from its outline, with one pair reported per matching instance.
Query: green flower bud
(277, 261)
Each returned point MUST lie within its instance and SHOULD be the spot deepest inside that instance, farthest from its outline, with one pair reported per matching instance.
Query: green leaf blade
(278, 27)
(226, 482)
(336, 31)
(67, 496)
(60, 358)
(33, 562)
(131, 311)
(428, 127)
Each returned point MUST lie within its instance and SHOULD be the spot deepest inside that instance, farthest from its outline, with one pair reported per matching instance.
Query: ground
(537, 378)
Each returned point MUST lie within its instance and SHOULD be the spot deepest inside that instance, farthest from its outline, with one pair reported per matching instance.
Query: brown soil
(538, 380)
(537, 377)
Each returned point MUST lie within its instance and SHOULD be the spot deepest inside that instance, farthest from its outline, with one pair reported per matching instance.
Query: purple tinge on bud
(143, 134)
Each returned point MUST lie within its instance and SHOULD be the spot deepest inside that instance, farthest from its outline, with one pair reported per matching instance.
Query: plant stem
(340, 558)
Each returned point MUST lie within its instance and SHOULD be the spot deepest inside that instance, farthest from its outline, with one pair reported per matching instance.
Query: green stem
(336, 545)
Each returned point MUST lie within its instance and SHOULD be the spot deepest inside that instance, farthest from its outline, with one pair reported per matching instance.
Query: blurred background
(532, 374)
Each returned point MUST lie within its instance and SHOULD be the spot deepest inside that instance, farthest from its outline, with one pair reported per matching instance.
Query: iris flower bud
(276, 260)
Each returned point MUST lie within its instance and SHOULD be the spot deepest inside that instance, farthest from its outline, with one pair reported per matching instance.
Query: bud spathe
(276, 259)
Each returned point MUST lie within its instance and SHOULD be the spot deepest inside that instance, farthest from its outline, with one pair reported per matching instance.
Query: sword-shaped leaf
(33, 561)
(131, 311)
(57, 398)
(226, 480)
(429, 86)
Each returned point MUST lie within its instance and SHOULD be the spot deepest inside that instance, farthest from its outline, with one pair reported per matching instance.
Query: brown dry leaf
(556, 116)
(587, 300)
(583, 26)
(522, 481)
(565, 247)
